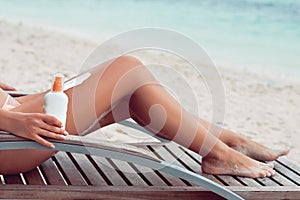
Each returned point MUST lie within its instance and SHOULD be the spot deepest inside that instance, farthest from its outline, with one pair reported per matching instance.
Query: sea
(262, 35)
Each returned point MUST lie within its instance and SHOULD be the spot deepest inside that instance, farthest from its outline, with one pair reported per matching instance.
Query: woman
(104, 93)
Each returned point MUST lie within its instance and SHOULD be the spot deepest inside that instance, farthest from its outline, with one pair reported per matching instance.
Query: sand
(260, 106)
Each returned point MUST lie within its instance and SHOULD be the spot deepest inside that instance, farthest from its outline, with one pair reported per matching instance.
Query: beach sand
(257, 105)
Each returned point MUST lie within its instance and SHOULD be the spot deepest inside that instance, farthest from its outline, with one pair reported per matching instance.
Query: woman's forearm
(32, 126)
(6, 119)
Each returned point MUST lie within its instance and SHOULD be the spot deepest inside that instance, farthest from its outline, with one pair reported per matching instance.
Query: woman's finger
(7, 87)
(51, 135)
(43, 142)
(51, 120)
(53, 129)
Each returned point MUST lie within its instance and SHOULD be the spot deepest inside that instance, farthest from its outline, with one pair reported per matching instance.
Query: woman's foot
(258, 151)
(251, 148)
(231, 162)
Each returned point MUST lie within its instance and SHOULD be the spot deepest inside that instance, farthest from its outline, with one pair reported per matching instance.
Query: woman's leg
(151, 106)
(241, 144)
(233, 140)
(99, 93)
(87, 102)
(247, 146)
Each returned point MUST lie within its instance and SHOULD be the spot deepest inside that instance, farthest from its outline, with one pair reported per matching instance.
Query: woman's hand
(35, 126)
(3, 86)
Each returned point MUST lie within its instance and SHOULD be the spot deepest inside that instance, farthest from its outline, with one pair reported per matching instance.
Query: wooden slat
(108, 192)
(280, 179)
(111, 174)
(267, 192)
(156, 178)
(189, 163)
(13, 179)
(149, 175)
(161, 153)
(33, 177)
(127, 171)
(291, 176)
(290, 165)
(51, 173)
(94, 178)
(121, 192)
(249, 182)
(230, 180)
(70, 171)
(267, 182)
(167, 179)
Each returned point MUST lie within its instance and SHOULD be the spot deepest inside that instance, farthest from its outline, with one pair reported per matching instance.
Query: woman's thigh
(87, 102)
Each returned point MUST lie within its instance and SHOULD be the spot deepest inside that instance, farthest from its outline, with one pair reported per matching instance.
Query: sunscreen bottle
(56, 101)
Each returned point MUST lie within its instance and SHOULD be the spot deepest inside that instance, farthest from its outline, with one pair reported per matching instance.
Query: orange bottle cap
(57, 84)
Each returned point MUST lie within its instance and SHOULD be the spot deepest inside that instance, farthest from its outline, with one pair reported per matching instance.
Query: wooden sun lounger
(119, 152)
(87, 176)
(106, 170)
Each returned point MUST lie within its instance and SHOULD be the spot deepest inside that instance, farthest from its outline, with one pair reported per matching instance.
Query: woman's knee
(129, 69)
(127, 63)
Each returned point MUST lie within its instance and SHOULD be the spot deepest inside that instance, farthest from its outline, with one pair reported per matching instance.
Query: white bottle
(56, 101)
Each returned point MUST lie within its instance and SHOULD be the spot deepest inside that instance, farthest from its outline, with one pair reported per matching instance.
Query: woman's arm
(32, 126)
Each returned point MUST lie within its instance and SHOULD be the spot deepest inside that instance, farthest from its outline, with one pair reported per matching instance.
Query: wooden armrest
(83, 142)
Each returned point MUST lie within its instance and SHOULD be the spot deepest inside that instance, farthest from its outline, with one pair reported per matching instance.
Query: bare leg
(179, 126)
(168, 111)
(235, 141)
(246, 146)
(86, 102)
(97, 95)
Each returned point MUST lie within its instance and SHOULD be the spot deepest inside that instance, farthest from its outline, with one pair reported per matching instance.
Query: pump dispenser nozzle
(58, 83)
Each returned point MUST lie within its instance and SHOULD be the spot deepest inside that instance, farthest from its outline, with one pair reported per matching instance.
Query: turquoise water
(259, 34)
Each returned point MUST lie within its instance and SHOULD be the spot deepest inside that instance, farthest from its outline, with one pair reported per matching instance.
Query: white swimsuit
(10, 103)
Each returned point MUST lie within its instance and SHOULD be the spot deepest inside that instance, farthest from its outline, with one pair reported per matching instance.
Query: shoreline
(257, 106)
(268, 76)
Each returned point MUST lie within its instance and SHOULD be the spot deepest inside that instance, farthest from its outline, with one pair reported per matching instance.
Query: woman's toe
(271, 165)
